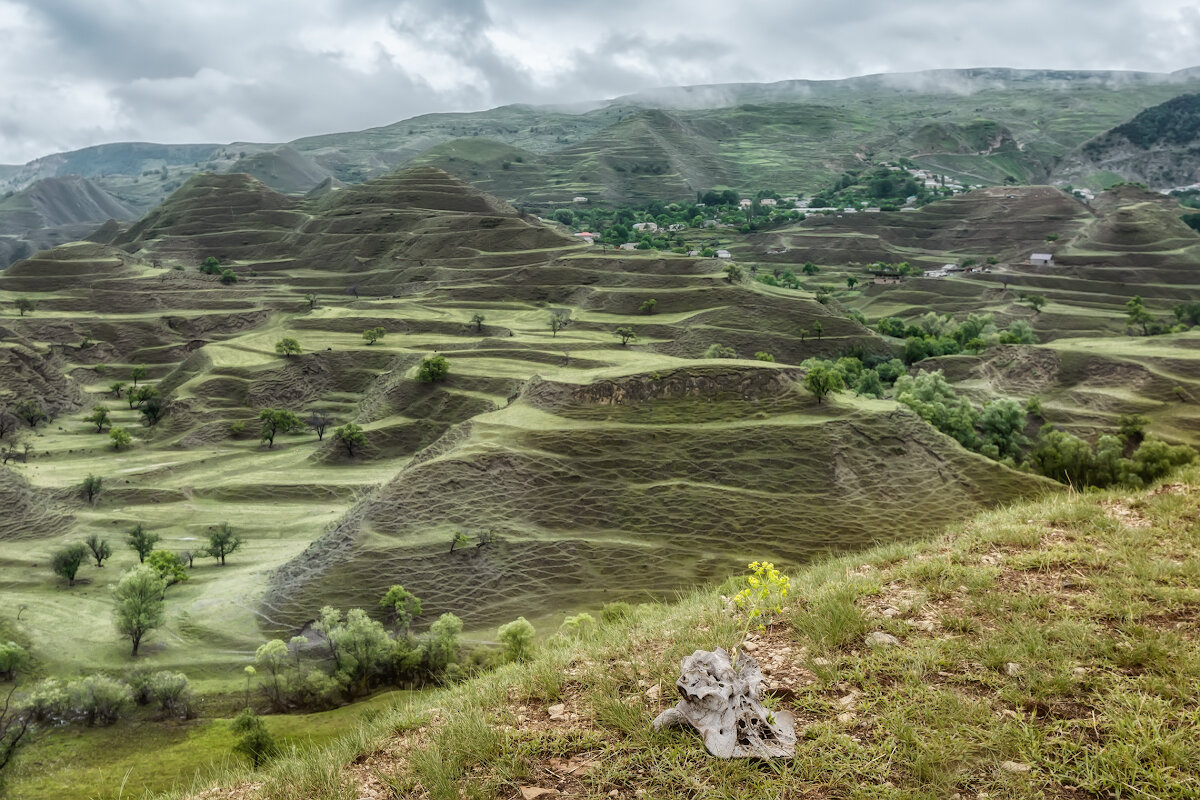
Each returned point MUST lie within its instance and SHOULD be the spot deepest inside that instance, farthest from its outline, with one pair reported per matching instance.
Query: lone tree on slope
(91, 487)
(100, 548)
(287, 347)
(823, 381)
(98, 417)
(275, 421)
(66, 562)
(139, 607)
(222, 542)
(318, 421)
(351, 436)
(141, 541)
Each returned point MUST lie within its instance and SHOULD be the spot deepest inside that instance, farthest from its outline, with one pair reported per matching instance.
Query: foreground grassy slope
(1046, 650)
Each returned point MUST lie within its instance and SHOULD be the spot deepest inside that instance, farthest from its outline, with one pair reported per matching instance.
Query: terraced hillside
(1088, 369)
(529, 437)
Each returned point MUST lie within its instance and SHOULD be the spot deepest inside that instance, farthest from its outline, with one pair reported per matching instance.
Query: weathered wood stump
(725, 706)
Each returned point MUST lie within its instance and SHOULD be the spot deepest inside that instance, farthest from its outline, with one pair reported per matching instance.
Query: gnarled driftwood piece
(725, 705)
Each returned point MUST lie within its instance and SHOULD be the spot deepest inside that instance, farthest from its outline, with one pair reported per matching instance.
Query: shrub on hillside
(434, 368)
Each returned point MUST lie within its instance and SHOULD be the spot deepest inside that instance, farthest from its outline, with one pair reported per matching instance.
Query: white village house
(646, 226)
(724, 254)
(1042, 260)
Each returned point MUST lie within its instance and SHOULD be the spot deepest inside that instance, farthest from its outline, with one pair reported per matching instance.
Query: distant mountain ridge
(980, 126)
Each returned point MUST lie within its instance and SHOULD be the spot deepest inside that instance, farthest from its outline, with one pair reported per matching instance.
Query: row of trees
(937, 334)
(67, 561)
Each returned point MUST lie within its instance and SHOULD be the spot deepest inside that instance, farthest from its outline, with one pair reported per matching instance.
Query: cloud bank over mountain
(80, 73)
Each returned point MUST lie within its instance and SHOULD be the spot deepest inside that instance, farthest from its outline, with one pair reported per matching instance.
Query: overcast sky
(81, 72)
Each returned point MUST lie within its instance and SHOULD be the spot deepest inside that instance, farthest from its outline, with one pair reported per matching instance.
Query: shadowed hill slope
(638, 486)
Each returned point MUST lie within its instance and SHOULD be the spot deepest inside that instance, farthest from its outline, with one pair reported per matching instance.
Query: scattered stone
(1012, 668)
(891, 611)
(924, 625)
(557, 711)
(749, 646)
(725, 705)
(1014, 766)
(654, 692)
(1079, 672)
(534, 792)
(845, 718)
(881, 639)
(848, 701)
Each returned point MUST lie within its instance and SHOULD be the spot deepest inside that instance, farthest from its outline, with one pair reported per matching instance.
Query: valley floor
(1046, 649)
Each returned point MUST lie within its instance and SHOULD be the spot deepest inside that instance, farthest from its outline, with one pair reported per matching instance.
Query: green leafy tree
(24, 306)
(433, 368)
(821, 381)
(311, 299)
(818, 329)
(152, 410)
(13, 659)
(287, 347)
(222, 542)
(66, 561)
(351, 437)
(716, 350)
(373, 335)
(869, 384)
(734, 273)
(1138, 315)
(141, 541)
(647, 306)
(275, 421)
(557, 323)
(228, 276)
(443, 646)
(99, 417)
(763, 355)
(1002, 424)
(91, 487)
(402, 605)
(626, 335)
(139, 604)
(936, 402)
(168, 566)
(1019, 332)
(120, 438)
(116, 388)
(1036, 301)
(810, 268)
(477, 321)
(138, 373)
(254, 741)
(851, 282)
(31, 412)
(271, 659)
(100, 548)
(516, 639)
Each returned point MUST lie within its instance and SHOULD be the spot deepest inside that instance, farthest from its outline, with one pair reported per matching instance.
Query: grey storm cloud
(77, 72)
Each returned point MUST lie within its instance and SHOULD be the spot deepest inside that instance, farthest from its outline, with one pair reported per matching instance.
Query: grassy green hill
(597, 470)
(1042, 650)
